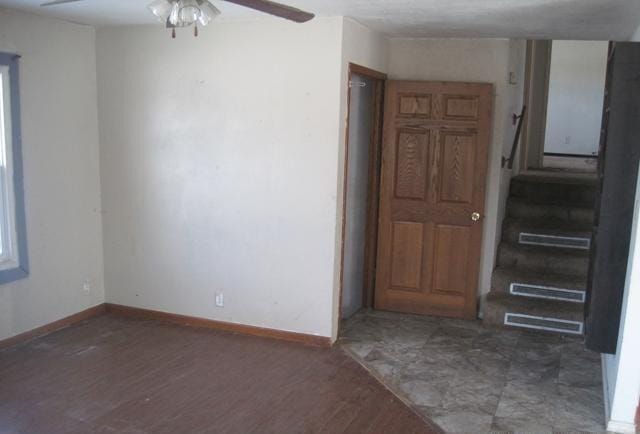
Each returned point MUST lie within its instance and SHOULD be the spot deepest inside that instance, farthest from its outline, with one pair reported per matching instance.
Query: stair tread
(554, 190)
(546, 250)
(577, 206)
(566, 213)
(548, 226)
(559, 178)
(550, 279)
(543, 259)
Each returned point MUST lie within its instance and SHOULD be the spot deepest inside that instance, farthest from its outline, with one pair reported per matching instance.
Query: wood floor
(118, 375)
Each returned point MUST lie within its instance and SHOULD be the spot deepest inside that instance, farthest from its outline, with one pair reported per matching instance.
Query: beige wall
(474, 60)
(576, 95)
(219, 160)
(61, 171)
(364, 47)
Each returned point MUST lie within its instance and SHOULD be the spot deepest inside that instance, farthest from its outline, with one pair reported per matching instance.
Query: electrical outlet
(567, 140)
(86, 287)
(219, 299)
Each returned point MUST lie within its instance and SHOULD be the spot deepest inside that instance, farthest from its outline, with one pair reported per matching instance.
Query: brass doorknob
(475, 216)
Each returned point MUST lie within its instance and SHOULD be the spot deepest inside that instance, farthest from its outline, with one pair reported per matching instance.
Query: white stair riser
(543, 323)
(532, 239)
(547, 292)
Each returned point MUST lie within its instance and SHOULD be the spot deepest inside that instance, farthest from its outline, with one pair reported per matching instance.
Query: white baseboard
(614, 426)
(621, 427)
(605, 387)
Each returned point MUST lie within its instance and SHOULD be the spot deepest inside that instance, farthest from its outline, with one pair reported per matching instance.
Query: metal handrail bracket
(519, 118)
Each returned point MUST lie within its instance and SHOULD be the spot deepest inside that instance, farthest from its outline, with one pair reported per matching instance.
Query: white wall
(61, 171)
(473, 60)
(621, 371)
(361, 116)
(219, 160)
(364, 47)
(576, 96)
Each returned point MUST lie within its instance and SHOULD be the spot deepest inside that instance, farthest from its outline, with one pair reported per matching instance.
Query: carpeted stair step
(545, 232)
(541, 275)
(539, 285)
(535, 314)
(569, 215)
(579, 191)
(544, 259)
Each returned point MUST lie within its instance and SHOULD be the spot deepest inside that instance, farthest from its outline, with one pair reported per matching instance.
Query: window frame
(16, 265)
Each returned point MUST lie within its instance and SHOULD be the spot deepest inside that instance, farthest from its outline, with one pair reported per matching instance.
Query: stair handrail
(516, 139)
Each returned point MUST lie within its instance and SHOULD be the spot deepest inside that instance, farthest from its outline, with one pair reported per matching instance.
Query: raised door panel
(414, 105)
(407, 246)
(457, 160)
(461, 107)
(450, 258)
(411, 165)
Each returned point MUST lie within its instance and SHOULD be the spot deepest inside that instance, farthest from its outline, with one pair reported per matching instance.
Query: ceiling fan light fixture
(185, 13)
(174, 16)
(161, 9)
(208, 12)
(188, 12)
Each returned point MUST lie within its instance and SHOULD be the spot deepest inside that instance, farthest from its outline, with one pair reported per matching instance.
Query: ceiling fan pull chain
(173, 33)
(195, 31)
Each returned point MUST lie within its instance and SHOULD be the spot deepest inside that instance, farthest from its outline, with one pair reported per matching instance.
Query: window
(13, 246)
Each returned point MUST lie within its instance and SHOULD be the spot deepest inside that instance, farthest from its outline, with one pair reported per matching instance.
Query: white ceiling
(553, 19)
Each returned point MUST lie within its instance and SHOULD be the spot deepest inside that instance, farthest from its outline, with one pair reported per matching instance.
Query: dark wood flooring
(119, 375)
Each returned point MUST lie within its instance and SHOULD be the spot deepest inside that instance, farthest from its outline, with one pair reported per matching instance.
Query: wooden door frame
(373, 189)
(535, 80)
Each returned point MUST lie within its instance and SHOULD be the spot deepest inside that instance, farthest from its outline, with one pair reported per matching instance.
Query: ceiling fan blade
(277, 9)
(58, 2)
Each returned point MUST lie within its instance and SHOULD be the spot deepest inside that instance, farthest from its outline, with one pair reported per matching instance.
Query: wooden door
(434, 165)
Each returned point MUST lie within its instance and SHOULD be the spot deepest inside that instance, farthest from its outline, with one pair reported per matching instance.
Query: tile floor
(471, 378)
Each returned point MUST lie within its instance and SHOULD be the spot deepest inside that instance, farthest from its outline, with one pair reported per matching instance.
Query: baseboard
(620, 427)
(306, 339)
(54, 326)
(302, 338)
(564, 155)
(605, 387)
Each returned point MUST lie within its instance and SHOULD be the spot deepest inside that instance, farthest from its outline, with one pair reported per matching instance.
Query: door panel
(450, 244)
(457, 166)
(406, 255)
(411, 162)
(461, 107)
(434, 163)
(414, 105)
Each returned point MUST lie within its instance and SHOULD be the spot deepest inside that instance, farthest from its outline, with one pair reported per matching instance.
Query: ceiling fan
(184, 13)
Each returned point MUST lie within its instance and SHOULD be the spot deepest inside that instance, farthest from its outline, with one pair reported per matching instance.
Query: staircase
(541, 274)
